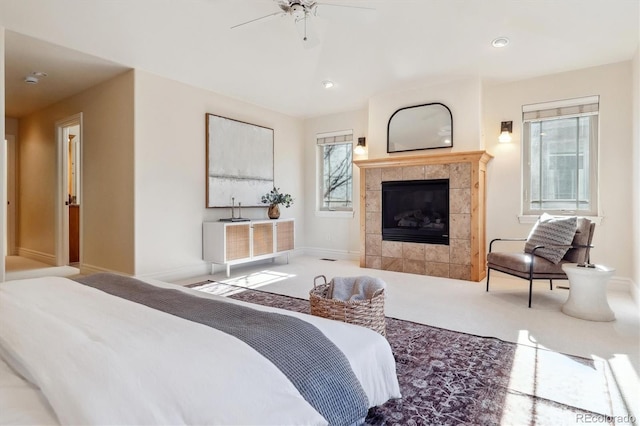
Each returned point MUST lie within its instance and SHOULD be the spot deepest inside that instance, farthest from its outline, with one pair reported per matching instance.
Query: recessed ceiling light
(500, 42)
(30, 79)
(327, 84)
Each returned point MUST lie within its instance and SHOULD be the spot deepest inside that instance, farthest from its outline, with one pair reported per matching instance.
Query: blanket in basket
(355, 288)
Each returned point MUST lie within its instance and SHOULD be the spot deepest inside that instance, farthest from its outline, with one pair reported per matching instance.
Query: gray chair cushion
(583, 237)
(518, 264)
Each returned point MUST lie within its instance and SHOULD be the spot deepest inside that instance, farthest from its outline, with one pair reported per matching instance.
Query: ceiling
(399, 45)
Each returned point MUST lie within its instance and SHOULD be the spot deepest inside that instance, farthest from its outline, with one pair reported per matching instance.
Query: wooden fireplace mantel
(465, 257)
(425, 159)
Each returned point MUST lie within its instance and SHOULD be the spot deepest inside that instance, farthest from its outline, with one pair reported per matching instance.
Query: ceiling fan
(300, 11)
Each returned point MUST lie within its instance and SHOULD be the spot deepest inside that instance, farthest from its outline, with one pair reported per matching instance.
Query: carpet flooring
(452, 378)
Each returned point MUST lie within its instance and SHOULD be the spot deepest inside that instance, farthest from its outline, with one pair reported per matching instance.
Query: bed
(114, 350)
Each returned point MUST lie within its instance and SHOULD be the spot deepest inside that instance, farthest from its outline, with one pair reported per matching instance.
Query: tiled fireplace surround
(464, 257)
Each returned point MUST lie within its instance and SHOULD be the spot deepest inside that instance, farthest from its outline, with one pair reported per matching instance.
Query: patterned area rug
(451, 378)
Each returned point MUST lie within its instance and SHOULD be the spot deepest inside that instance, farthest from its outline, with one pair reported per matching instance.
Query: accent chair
(531, 266)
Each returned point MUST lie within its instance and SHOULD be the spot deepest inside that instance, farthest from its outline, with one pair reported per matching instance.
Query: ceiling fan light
(298, 11)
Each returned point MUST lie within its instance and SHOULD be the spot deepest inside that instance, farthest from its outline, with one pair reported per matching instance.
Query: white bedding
(98, 359)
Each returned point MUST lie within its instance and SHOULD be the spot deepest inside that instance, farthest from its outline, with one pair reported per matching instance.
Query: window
(335, 171)
(560, 149)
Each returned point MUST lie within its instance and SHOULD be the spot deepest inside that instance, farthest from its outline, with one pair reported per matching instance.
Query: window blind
(330, 138)
(561, 109)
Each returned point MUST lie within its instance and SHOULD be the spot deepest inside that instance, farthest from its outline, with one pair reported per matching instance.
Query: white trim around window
(560, 158)
(334, 142)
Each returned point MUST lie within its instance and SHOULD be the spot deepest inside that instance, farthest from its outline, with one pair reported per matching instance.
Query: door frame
(62, 207)
(10, 187)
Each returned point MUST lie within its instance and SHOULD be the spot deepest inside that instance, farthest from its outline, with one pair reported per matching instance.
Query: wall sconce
(359, 149)
(506, 128)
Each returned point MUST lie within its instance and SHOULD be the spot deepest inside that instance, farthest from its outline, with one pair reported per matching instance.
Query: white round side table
(588, 292)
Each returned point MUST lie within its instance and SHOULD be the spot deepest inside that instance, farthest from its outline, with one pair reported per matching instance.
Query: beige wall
(11, 126)
(613, 241)
(170, 171)
(328, 236)
(107, 175)
(37, 185)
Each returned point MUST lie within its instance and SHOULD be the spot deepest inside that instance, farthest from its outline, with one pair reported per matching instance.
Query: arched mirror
(425, 126)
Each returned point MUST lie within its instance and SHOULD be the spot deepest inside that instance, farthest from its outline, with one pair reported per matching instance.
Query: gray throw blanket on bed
(317, 368)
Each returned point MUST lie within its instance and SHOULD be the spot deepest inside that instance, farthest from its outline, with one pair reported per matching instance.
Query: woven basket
(366, 313)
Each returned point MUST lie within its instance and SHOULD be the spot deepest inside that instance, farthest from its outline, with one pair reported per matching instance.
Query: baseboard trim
(331, 254)
(182, 272)
(38, 256)
(86, 269)
(621, 284)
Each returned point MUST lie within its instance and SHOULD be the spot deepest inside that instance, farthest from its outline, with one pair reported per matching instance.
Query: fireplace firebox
(416, 211)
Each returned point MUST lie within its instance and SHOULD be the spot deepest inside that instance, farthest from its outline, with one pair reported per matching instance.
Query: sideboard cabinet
(232, 243)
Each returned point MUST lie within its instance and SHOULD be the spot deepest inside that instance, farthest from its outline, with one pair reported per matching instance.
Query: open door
(69, 222)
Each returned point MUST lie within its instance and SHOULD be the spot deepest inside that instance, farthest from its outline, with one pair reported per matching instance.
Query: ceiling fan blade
(262, 18)
(343, 5)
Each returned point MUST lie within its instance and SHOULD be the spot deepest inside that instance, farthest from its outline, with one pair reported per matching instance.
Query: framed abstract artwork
(239, 162)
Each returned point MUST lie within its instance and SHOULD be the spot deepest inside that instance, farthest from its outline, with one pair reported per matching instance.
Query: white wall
(635, 182)
(613, 240)
(461, 96)
(337, 237)
(170, 172)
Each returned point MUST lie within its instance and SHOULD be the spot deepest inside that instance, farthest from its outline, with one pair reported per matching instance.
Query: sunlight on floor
(552, 388)
(251, 281)
(629, 382)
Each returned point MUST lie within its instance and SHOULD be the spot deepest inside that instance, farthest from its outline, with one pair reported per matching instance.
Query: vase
(274, 211)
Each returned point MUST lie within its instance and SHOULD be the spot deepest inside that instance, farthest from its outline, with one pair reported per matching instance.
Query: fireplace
(416, 211)
(464, 257)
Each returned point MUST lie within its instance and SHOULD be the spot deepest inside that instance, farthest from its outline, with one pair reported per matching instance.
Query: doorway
(69, 217)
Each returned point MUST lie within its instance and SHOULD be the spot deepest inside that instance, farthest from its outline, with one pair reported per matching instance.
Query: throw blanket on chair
(316, 367)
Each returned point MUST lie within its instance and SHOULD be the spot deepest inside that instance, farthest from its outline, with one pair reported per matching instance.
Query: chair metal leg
(550, 284)
(532, 259)
(488, 272)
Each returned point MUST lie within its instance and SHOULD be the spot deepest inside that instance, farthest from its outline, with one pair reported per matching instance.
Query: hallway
(19, 268)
